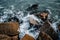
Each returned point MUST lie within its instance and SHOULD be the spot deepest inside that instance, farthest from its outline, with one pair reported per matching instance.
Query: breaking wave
(5, 14)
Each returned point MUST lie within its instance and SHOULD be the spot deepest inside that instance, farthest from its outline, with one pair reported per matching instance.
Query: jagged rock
(44, 36)
(9, 28)
(4, 37)
(49, 31)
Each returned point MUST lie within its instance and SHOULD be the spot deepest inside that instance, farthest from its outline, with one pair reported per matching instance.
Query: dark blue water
(53, 5)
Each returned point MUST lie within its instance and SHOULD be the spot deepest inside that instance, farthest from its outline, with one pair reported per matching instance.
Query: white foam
(25, 25)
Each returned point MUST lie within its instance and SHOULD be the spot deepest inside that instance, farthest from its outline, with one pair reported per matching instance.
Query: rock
(59, 27)
(9, 28)
(14, 37)
(4, 37)
(33, 7)
(44, 36)
(32, 21)
(27, 37)
(46, 28)
(15, 19)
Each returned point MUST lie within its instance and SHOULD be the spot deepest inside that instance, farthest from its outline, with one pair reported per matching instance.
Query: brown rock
(4, 37)
(44, 36)
(14, 37)
(27, 37)
(9, 28)
(49, 31)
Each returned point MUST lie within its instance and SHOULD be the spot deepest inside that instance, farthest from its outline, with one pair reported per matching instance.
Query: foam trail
(54, 25)
(25, 25)
(1, 7)
(49, 16)
(49, 11)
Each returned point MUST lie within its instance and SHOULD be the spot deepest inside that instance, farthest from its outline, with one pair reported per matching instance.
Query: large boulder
(9, 28)
(46, 28)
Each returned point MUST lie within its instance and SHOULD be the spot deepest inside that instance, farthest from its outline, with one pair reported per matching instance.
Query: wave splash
(5, 14)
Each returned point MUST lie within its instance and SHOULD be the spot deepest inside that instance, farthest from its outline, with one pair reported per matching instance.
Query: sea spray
(24, 27)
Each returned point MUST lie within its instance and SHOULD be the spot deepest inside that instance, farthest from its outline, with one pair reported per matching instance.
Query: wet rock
(46, 28)
(4, 37)
(33, 7)
(13, 19)
(44, 36)
(9, 28)
(59, 27)
(14, 37)
(27, 37)
(59, 31)
(32, 21)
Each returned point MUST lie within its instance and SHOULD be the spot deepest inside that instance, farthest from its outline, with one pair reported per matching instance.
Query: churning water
(11, 8)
